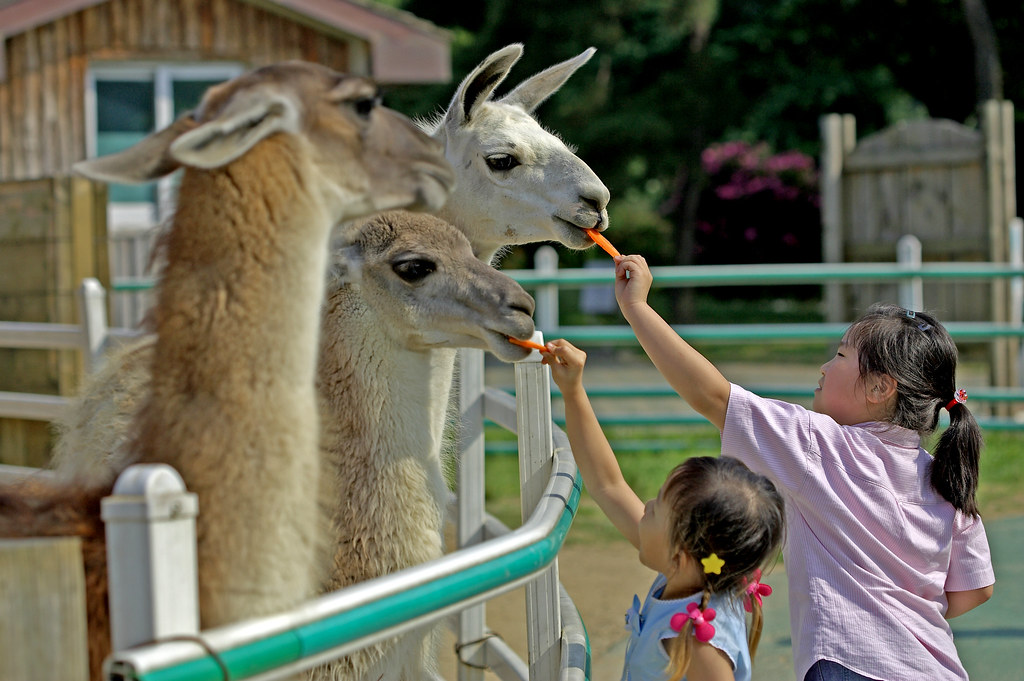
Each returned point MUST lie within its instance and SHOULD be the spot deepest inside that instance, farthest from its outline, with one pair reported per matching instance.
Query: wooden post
(997, 125)
(838, 134)
(42, 610)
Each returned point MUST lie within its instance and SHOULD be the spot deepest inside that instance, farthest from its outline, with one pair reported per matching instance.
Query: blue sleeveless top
(646, 657)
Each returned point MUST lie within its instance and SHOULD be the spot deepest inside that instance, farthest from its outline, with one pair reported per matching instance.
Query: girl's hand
(566, 362)
(632, 281)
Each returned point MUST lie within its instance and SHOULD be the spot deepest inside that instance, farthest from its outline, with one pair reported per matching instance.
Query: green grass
(1000, 491)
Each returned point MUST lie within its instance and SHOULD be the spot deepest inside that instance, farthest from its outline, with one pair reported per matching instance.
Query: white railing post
(471, 634)
(545, 262)
(536, 455)
(151, 556)
(908, 255)
(92, 302)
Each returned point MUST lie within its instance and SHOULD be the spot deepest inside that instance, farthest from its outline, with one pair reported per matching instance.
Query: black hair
(720, 506)
(917, 352)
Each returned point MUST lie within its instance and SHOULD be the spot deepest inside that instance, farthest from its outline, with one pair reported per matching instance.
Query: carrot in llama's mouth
(527, 344)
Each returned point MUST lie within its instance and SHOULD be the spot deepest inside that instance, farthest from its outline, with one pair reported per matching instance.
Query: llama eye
(364, 106)
(413, 271)
(502, 162)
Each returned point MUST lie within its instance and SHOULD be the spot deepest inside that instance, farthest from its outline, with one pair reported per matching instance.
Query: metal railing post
(546, 264)
(151, 556)
(536, 455)
(472, 652)
(908, 255)
(92, 301)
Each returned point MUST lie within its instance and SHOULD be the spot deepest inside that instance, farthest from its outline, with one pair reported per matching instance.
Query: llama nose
(596, 195)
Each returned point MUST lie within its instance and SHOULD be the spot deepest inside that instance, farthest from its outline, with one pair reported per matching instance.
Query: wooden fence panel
(925, 178)
(42, 610)
(52, 235)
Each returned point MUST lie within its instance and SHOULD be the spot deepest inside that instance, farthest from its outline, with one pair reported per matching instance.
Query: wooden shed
(79, 78)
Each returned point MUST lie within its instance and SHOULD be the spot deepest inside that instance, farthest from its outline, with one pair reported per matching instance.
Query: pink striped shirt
(871, 548)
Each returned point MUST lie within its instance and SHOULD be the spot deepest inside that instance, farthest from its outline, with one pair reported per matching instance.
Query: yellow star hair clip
(713, 564)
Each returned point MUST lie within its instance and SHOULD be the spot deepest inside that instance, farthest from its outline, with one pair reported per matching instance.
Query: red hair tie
(755, 590)
(959, 397)
(702, 627)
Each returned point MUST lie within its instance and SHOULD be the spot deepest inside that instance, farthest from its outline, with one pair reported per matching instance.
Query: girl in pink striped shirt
(884, 541)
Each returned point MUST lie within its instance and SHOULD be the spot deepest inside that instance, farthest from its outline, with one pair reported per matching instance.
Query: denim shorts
(827, 670)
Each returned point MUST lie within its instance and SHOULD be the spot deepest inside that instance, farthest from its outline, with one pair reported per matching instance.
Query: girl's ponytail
(756, 625)
(954, 469)
(754, 589)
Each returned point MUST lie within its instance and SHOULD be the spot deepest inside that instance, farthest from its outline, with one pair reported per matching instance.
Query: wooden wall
(42, 101)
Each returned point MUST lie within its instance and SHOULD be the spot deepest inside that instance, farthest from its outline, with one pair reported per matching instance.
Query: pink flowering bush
(757, 206)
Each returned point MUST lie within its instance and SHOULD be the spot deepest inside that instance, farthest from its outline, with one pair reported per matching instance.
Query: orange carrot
(527, 344)
(602, 242)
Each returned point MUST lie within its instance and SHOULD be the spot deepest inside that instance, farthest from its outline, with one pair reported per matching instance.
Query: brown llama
(273, 160)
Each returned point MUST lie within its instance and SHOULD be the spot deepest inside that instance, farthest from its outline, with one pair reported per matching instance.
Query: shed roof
(403, 48)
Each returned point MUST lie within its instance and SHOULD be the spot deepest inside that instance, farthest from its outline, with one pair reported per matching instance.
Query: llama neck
(386, 401)
(233, 401)
(237, 316)
(485, 252)
(384, 413)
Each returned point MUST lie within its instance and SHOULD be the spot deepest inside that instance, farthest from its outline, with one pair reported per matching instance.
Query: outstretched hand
(566, 362)
(632, 281)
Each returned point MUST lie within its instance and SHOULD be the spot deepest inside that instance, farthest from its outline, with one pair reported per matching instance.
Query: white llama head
(516, 182)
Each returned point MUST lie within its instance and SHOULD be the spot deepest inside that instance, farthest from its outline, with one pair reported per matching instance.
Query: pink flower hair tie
(959, 397)
(702, 627)
(755, 590)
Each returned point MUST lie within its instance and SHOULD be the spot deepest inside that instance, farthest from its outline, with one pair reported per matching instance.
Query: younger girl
(885, 541)
(712, 527)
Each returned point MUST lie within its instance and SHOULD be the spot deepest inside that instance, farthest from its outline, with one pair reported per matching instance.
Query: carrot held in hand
(602, 242)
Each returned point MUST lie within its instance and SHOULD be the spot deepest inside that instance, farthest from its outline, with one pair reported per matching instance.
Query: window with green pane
(125, 115)
(188, 92)
(185, 96)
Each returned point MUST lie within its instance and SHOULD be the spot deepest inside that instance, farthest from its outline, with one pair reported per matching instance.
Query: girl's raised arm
(696, 379)
(594, 456)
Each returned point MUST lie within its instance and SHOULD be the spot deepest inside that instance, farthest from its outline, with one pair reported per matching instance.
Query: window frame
(141, 216)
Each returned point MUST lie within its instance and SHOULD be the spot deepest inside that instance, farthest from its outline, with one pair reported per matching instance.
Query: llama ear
(346, 265)
(534, 90)
(478, 86)
(246, 119)
(146, 160)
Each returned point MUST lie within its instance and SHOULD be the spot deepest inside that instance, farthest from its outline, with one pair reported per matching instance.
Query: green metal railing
(740, 275)
(336, 624)
(762, 275)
